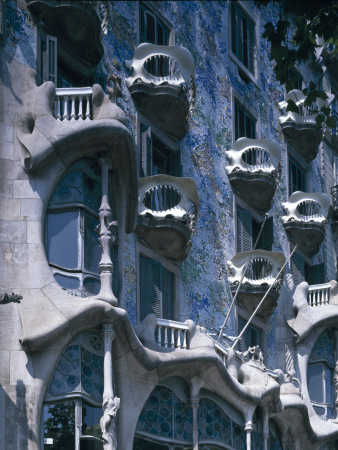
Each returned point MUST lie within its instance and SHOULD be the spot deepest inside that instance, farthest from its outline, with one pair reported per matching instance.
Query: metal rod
(264, 297)
(246, 265)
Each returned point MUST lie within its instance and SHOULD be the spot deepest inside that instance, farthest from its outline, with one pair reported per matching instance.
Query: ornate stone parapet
(305, 219)
(162, 84)
(261, 269)
(253, 171)
(167, 214)
(301, 128)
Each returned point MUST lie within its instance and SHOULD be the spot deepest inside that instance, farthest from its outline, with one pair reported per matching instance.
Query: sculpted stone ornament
(335, 379)
(110, 407)
(10, 298)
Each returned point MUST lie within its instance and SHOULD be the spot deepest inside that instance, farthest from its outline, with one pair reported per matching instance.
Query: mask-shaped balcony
(167, 214)
(305, 220)
(76, 24)
(300, 128)
(253, 171)
(260, 274)
(162, 86)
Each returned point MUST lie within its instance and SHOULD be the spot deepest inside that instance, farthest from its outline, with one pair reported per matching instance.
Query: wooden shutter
(244, 230)
(167, 286)
(297, 268)
(150, 287)
(49, 59)
(146, 156)
(315, 274)
(175, 163)
(266, 239)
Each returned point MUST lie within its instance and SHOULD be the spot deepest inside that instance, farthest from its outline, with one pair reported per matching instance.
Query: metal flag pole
(246, 265)
(261, 302)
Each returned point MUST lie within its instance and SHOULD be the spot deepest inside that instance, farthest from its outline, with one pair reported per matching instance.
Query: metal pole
(246, 265)
(260, 303)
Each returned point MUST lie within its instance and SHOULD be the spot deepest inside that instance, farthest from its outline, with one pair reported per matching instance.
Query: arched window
(72, 246)
(165, 423)
(320, 376)
(73, 401)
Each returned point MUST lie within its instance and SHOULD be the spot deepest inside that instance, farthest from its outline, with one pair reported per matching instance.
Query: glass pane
(90, 444)
(329, 386)
(92, 250)
(62, 239)
(91, 421)
(92, 285)
(315, 382)
(142, 444)
(59, 426)
(67, 282)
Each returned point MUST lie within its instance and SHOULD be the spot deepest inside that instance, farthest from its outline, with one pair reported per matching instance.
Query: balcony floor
(249, 297)
(308, 236)
(304, 138)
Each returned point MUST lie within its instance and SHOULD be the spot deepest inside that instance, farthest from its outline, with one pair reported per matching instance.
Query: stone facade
(141, 152)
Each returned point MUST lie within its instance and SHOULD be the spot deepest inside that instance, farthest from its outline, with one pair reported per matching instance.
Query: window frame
(142, 250)
(144, 139)
(257, 322)
(155, 12)
(2, 22)
(247, 11)
(293, 161)
(246, 107)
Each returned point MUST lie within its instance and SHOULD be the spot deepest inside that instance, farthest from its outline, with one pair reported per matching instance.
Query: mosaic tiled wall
(202, 27)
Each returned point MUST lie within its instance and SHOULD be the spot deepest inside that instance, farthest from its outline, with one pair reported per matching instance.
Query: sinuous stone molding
(300, 128)
(305, 219)
(162, 84)
(261, 269)
(167, 214)
(253, 171)
(75, 23)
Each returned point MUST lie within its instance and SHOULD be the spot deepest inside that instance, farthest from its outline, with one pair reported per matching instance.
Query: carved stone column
(110, 403)
(265, 428)
(194, 405)
(248, 430)
(106, 236)
(336, 373)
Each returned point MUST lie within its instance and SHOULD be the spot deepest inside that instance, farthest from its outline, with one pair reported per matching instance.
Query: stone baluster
(58, 109)
(159, 335)
(110, 403)
(184, 339)
(87, 107)
(106, 237)
(72, 113)
(65, 108)
(172, 343)
(166, 336)
(80, 114)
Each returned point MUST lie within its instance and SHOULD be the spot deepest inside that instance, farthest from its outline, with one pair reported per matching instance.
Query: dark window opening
(248, 230)
(152, 29)
(252, 335)
(245, 124)
(297, 177)
(242, 37)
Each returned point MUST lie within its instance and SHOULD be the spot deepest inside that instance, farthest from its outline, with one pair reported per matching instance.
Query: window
(320, 376)
(156, 289)
(297, 177)
(73, 401)
(301, 270)
(252, 335)
(245, 124)
(248, 230)
(53, 67)
(296, 80)
(2, 21)
(156, 157)
(72, 246)
(242, 37)
(152, 29)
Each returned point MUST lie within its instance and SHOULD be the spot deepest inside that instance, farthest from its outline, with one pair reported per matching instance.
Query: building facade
(168, 231)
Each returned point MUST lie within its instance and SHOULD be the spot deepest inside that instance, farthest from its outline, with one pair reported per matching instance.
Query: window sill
(241, 68)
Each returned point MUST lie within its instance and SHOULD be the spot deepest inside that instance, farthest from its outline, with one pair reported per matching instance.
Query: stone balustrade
(253, 170)
(158, 64)
(172, 334)
(319, 294)
(73, 103)
(305, 114)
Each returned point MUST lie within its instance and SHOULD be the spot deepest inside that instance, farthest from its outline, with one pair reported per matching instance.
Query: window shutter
(244, 230)
(150, 288)
(266, 239)
(315, 274)
(297, 268)
(167, 294)
(49, 59)
(175, 163)
(145, 151)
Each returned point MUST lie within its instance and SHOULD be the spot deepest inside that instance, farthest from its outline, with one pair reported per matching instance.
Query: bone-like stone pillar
(110, 403)
(194, 405)
(106, 236)
(248, 430)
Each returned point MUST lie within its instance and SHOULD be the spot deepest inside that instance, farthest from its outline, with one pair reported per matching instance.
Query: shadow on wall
(16, 418)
